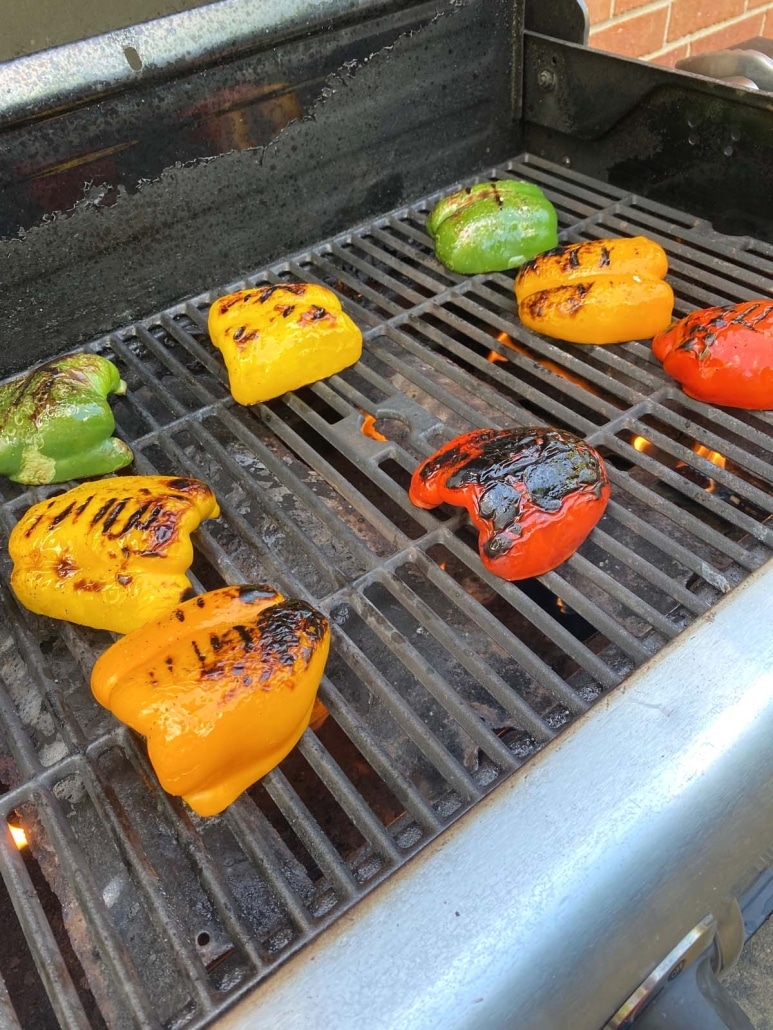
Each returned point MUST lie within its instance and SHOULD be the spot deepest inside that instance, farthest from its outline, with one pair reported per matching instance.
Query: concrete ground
(751, 981)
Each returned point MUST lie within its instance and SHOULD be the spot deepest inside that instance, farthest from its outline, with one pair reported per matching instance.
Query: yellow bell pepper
(222, 688)
(111, 554)
(279, 338)
(603, 291)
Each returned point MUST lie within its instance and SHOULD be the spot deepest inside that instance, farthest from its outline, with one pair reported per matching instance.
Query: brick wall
(664, 31)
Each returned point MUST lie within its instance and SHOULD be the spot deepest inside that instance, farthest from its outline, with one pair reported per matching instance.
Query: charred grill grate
(442, 679)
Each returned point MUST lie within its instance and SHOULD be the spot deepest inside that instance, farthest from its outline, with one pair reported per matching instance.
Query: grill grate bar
(413, 802)
(435, 685)
(668, 546)
(713, 471)
(8, 1018)
(248, 825)
(128, 842)
(650, 572)
(45, 952)
(330, 772)
(311, 835)
(427, 742)
(493, 683)
(125, 978)
(531, 663)
(696, 494)
(627, 597)
(553, 630)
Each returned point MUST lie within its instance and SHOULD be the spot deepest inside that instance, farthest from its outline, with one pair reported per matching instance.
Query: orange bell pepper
(604, 291)
(222, 688)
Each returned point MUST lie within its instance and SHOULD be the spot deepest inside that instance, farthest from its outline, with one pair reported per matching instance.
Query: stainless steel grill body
(443, 680)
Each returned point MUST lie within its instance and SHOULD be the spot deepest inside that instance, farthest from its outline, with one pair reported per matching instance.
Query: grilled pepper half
(492, 226)
(534, 494)
(222, 687)
(56, 423)
(111, 555)
(279, 338)
(604, 291)
(723, 355)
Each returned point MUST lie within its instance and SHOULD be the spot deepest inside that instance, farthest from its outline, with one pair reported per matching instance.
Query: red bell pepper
(722, 355)
(534, 494)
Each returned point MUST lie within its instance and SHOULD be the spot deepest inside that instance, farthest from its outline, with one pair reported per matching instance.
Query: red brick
(767, 28)
(599, 10)
(750, 6)
(692, 15)
(722, 38)
(622, 6)
(670, 57)
(632, 37)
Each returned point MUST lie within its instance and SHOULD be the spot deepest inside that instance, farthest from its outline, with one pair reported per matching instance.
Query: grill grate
(442, 678)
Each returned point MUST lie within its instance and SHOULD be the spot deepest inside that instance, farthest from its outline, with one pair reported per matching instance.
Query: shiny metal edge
(42, 81)
(550, 902)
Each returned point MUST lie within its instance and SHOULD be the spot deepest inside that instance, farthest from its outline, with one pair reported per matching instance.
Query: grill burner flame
(368, 427)
(644, 446)
(546, 363)
(19, 836)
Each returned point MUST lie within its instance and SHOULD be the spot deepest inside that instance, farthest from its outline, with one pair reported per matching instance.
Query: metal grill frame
(400, 319)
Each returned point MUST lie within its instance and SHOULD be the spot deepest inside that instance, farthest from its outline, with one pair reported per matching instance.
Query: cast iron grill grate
(442, 679)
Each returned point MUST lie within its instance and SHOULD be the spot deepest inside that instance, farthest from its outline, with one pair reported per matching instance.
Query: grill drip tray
(442, 679)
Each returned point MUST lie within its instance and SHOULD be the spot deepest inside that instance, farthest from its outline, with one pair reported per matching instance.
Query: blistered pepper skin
(111, 554)
(599, 292)
(723, 355)
(278, 338)
(492, 226)
(222, 688)
(56, 423)
(534, 494)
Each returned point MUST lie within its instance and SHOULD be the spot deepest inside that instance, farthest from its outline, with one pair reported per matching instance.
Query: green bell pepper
(492, 226)
(56, 423)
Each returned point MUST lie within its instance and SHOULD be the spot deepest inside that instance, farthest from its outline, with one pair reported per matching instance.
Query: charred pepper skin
(492, 226)
(599, 292)
(278, 338)
(56, 423)
(723, 355)
(534, 494)
(222, 687)
(111, 554)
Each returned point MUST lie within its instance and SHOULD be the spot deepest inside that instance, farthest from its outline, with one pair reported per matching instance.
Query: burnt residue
(267, 292)
(315, 313)
(568, 257)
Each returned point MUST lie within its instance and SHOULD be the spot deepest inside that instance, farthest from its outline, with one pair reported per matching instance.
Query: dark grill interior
(442, 678)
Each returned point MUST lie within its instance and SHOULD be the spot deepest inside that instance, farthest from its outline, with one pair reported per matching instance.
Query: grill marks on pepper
(511, 468)
(254, 652)
(702, 329)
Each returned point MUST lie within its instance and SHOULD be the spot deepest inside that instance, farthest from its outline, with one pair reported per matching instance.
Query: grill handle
(696, 1000)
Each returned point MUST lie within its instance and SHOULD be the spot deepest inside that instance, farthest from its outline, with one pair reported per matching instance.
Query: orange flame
(562, 606)
(368, 427)
(713, 456)
(19, 836)
(546, 363)
(643, 446)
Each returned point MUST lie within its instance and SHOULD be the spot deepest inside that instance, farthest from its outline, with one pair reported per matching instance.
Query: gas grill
(527, 797)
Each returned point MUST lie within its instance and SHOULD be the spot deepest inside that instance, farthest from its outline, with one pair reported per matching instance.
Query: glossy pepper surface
(603, 291)
(534, 494)
(56, 423)
(222, 687)
(492, 226)
(279, 338)
(723, 355)
(112, 554)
